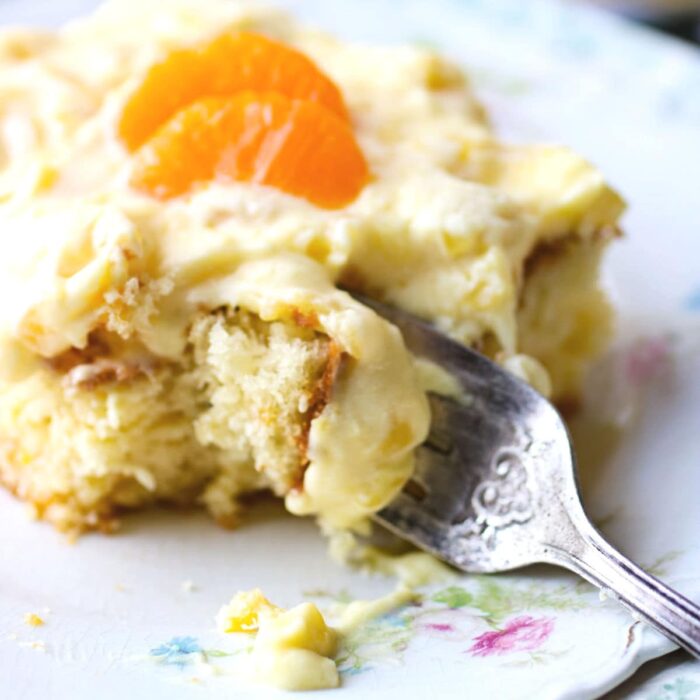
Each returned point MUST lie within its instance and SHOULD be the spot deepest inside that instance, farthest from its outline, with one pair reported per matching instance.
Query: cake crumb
(33, 620)
(120, 587)
(188, 586)
(37, 645)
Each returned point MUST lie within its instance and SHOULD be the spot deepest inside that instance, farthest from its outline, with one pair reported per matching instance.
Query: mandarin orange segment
(227, 65)
(297, 146)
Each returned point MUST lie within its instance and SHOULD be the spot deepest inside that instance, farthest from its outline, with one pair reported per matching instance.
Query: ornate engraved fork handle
(668, 611)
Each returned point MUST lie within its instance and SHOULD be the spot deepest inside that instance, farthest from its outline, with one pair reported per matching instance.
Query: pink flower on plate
(439, 626)
(522, 633)
(647, 359)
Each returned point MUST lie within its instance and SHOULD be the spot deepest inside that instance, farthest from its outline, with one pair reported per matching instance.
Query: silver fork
(495, 487)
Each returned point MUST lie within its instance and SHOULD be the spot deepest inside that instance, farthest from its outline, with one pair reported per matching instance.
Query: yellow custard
(293, 649)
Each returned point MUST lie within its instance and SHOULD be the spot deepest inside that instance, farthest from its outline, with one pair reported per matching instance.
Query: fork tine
(472, 443)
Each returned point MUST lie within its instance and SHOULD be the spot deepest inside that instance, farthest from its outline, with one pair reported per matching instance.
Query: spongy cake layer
(318, 403)
(115, 432)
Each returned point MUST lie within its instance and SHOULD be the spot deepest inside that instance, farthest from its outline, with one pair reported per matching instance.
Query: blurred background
(678, 17)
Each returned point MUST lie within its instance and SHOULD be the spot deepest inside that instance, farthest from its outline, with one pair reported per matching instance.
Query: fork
(495, 487)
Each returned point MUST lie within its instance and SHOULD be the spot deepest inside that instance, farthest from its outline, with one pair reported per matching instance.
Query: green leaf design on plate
(499, 601)
(659, 567)
(680, 689)
(453, 597)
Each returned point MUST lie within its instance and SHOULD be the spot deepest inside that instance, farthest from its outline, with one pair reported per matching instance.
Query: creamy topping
(412, 569)
(293, 649)
(358, 612)
(360, 447)
(443, 228)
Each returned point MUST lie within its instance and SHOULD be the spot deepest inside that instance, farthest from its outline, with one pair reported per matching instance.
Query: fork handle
(668, 611)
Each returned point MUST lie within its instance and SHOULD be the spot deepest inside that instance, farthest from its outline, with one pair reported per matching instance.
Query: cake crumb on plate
(36, 644)
(33, 620)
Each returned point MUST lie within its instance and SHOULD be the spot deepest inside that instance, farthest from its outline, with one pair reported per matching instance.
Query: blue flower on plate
(692, 302)
(396, 618)
(177, 650)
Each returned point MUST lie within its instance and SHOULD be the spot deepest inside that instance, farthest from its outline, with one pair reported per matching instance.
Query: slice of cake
(185, 186)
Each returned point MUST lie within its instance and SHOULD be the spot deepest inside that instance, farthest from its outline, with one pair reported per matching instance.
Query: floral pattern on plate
(630, 101)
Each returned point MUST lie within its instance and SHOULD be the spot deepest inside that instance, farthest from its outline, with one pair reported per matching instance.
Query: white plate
(122, 625)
